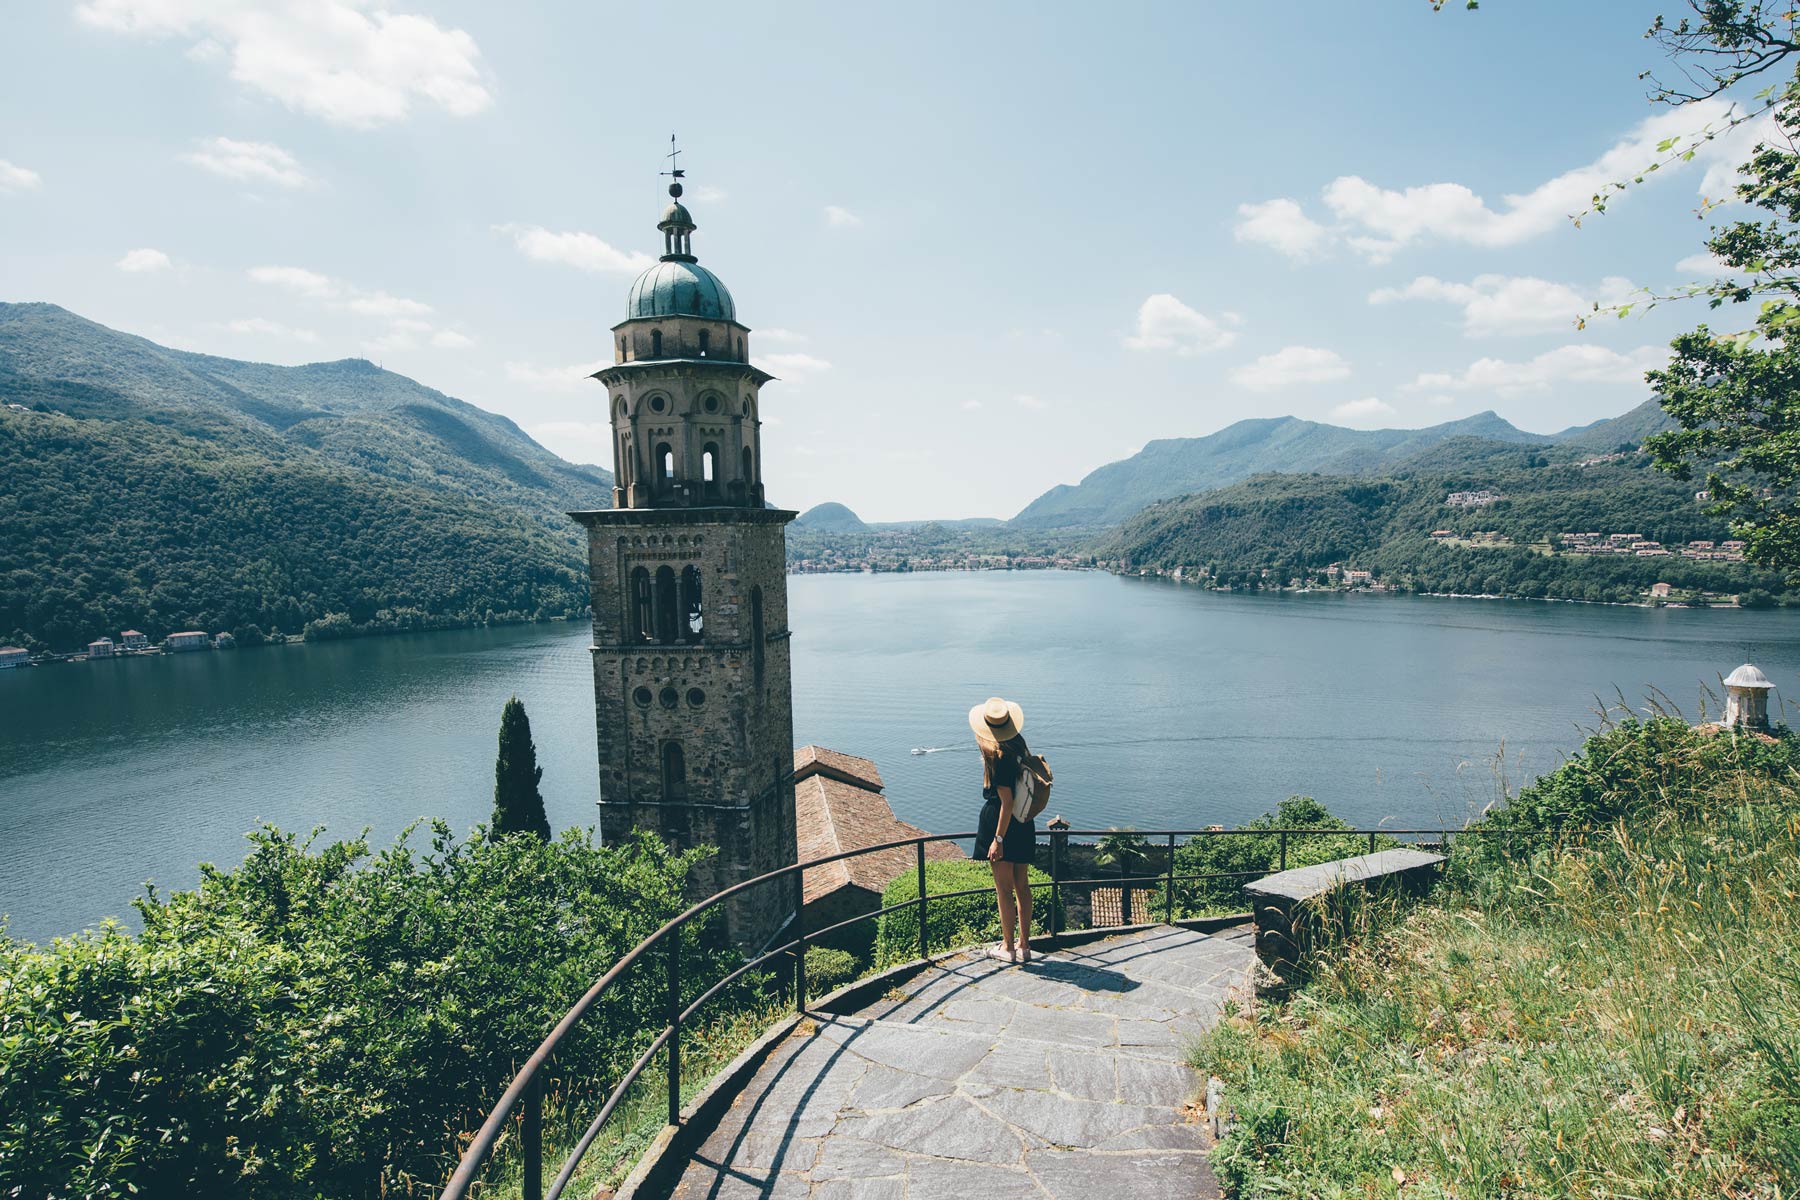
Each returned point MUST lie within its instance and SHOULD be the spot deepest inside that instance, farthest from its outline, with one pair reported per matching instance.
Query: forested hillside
(1293, 526)
(163, 490)
(1170, 467)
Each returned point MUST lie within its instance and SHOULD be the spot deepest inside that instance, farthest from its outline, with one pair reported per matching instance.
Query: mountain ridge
(1169, 467)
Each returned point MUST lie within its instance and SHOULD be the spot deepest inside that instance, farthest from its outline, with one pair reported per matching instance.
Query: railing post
(532, 1187)
(800, 940)
(675, 1027)
(1371, 841)
(920, 847)
(1169, 886)
(1284, 849)
(1056, 841)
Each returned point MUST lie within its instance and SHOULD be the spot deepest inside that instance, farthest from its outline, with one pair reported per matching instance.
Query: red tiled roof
(810, 760)
(832, 816)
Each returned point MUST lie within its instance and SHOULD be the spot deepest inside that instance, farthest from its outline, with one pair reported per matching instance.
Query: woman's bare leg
(1021, 882)
(1003, 888)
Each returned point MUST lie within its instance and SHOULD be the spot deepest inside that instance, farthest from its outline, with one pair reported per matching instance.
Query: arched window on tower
(704, 338)
(668, 629)
(665, 467)
(709, 468)
(674, 774)
(749, 474)
(643, 615)
(692, 621)
(656, 343)
(756, 635)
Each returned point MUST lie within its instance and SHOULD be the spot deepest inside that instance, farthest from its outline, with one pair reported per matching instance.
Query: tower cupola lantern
(1747, 699)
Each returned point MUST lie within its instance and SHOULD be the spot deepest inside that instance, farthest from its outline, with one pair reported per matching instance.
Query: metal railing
(525, 1094)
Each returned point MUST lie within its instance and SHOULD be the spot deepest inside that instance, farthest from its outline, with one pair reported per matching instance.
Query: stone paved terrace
(1061, 1080)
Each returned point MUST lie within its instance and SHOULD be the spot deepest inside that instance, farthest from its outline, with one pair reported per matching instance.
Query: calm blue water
(1158, 705)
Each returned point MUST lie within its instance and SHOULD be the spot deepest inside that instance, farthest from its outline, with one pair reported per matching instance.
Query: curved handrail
(524, 1082)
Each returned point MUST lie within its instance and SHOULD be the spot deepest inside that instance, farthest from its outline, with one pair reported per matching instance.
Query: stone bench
(1300, 910)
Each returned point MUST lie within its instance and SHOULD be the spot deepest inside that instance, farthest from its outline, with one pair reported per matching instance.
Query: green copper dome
(673, 288)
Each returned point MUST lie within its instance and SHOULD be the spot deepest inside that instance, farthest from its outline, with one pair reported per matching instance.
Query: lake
(1159, 705)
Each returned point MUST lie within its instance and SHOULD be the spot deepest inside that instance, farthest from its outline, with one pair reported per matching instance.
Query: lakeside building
(839, 805)
(189, 639)
(101, 648)
(693, 703)
(14, 656)
(131, 639)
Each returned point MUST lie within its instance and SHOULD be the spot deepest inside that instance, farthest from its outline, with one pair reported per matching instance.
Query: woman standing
(1005, 841)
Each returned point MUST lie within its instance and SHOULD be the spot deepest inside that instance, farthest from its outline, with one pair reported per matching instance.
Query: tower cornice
(680, 368)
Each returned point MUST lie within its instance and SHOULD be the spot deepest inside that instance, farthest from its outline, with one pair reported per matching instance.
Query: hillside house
(101, 648)
(189, 639)
(131, 639)
(839, 806)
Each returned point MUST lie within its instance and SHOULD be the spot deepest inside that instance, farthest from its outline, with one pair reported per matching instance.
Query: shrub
(828, 969)
(956, 921)
(327, 1022)
(1241, 857)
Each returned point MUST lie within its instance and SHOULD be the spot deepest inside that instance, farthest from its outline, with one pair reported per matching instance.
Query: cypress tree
(518, 806)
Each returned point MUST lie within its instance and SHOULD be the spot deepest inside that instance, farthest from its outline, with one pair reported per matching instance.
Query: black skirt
(1018, 844)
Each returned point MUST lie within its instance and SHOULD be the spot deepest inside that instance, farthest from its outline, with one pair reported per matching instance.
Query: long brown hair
(1013, 748)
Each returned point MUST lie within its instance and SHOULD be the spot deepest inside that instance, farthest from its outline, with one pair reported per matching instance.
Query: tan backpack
(1032, 791)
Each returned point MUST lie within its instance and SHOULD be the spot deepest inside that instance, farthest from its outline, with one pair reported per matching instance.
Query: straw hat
(996, 720)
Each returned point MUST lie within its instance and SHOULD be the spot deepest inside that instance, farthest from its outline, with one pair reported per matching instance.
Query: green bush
(1639, 765)
(958, 921)
(326, 1023)
(828, 969)
(1234, 854)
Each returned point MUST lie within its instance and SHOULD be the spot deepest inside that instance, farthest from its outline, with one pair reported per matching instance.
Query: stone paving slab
(1061, 1078)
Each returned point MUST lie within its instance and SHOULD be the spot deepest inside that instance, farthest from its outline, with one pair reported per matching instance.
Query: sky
(985, 248)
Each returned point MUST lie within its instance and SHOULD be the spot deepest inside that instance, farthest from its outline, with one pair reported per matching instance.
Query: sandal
(1024, 955)
(1000, 951)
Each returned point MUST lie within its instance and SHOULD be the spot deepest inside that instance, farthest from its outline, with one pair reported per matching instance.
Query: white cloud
(264, 327)
(577, 441)
(841, 218)
(971, 405)
(555, 379)
(450, 339)
(1566, 364)
(14, 178)
(706, 194)
(1027, 401)
(1509, 304)
(795, 368)
(1282, 225)
(143, 260)
(1165, 323)
(1705, 263)
(1291, 364)
(248, 162)
(785, 337)
(295, 279)
(1375, 221)
(574, 249)
(1369, 407)
(329, 58)
(380, 304)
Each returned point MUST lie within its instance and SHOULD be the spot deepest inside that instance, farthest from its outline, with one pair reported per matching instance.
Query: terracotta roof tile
(815, 760)
(832, 816)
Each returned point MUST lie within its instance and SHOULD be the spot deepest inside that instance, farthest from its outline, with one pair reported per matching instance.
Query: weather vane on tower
(674, 172)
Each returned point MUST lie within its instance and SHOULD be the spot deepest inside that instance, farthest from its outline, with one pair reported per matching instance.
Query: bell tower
(692, 698)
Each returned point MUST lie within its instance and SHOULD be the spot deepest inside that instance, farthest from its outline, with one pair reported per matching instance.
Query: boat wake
(931, 749)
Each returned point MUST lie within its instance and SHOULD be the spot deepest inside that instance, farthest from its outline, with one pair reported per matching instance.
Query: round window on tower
(696, 697)
(670, 697)
(658, 403)
(642, 696)
(712, 404)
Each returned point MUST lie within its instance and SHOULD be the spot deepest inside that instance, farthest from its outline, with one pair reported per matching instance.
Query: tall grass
(1614, 1016)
